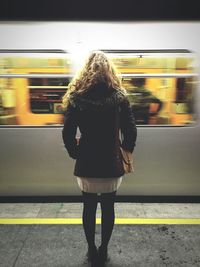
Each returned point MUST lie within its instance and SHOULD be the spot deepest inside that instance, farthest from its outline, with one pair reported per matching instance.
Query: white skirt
(99, 185)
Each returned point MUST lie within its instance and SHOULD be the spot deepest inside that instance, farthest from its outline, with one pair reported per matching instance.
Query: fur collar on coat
(99, 97)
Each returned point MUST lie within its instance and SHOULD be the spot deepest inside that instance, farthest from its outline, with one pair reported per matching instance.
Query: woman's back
(95, 112)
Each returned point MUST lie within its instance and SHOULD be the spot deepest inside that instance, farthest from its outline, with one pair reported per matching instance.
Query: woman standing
(96, 103)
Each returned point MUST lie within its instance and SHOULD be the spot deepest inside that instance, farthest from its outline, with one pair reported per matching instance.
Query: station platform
(144, 235)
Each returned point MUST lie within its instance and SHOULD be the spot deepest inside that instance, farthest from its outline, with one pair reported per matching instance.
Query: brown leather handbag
(127, 160)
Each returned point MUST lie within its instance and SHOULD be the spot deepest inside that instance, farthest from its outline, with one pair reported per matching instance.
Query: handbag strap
(117, 124)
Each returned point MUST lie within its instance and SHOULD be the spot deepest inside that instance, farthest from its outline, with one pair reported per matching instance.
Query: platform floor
(131, 245)
(122, 210)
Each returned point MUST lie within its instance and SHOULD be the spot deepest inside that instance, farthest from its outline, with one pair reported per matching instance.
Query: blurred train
(162, 86)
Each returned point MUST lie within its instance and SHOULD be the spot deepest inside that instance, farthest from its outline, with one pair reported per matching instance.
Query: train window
(29, 98)
(46, 94)
(156, 101)
(160, 85)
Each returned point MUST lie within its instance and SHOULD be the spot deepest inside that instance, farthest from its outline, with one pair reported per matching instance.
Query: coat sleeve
(128, 126)
(69, 131)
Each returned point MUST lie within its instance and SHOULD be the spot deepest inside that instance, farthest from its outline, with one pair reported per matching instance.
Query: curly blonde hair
(97, 69)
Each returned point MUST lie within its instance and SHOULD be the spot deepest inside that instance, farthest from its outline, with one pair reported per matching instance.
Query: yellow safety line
(98, 221)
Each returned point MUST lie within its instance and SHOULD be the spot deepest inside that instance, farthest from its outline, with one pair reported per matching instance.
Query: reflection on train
(155, 100)
(160, 100)
(143, 102)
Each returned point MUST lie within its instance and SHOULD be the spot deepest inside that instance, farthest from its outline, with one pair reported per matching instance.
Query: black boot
(92, 256)
(102, 255)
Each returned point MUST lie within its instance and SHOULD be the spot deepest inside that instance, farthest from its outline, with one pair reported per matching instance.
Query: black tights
(107, 216)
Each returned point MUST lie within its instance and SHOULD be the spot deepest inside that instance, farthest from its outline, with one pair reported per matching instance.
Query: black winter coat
(94, 113)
